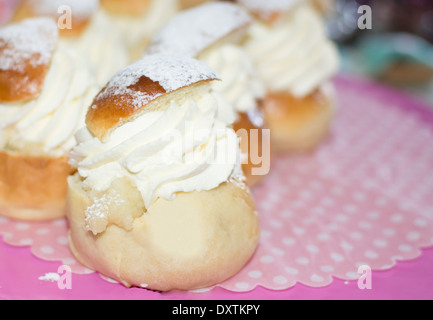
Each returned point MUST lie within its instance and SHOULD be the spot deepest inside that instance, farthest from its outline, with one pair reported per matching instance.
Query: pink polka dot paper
(365, 197)
(47, 240)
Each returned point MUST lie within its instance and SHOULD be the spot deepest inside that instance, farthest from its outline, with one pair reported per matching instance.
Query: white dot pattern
(364, 198)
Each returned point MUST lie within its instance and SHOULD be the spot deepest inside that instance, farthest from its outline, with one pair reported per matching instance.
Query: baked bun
(131, 91)
(299, 125)
(33, 188)
(25, 54)
(143, 214)
(81, 13)
(295, 58)
(90, 32)
(41, 106)
(213, 33)
(196, 241)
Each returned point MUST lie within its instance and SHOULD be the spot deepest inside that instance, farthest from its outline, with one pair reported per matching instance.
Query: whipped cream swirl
(293, 55)
(47, 124)
(183, 148)
(241, 84)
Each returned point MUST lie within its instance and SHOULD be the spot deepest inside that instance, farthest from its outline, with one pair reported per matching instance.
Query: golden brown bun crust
(18, 86)
(109, 112)
(27, 81)
(126, 7)
(245, 123)
(26, 10)
(33, 188)
(298, 125)
(147, 85)
(195, 241)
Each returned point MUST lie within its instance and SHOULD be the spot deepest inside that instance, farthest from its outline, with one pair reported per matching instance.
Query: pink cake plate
(364, 198)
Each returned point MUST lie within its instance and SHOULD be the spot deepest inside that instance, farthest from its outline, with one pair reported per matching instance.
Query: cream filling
(294, 55)
(185, 148)
(241, 85)
(47, 124)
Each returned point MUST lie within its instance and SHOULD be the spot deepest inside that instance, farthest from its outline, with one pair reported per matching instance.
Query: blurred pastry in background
(45, 90)
(296, 60)
(399, 59)
(324, 7)
(146, 207)
(404, 16)
(90, 32)
(138, 20)
(186, 4)
(213, 33)
(81, 13)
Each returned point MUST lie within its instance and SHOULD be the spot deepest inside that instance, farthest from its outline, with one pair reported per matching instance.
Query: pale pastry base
(299, 125)
(195, 241)
(33, 188)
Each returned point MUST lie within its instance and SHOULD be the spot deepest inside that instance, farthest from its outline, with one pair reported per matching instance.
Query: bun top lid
(26, 50)
(194, 30)
(131, 91)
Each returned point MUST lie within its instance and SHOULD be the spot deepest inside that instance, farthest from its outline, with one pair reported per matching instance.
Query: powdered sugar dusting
(192, 31)
(267, 7)
(171, 71)
(31, 41)
(81, 9)
(97, 214)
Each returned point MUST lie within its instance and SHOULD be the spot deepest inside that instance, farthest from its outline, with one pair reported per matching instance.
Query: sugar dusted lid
(192, 31)
(26, 51)
(139, 84)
